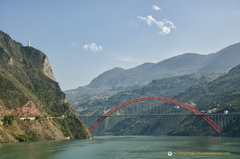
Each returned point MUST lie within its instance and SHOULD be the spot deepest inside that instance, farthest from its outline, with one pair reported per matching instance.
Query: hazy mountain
(167, 87)
(223, 60)
(118, 79)
(28, 89)
(213, 92)
(100, 81)
(207, 91)
(222, 93)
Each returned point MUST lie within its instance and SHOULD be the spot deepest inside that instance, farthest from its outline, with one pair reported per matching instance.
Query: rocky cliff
(32, 105)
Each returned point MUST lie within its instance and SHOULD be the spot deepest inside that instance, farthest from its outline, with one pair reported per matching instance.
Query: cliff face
(47, 70)
(28, 89)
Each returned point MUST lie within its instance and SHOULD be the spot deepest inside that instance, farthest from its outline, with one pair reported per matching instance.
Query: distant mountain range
(119, 79)
(206, 91)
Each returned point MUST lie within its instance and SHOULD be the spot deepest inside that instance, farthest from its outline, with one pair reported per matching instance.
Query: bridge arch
(205, 118)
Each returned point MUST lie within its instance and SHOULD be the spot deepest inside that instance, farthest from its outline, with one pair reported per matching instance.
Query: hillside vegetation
(28, 88)
(222, 93)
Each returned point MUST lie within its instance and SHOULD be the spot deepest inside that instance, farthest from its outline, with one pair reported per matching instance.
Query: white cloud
(156, 8)
(93, 47)
(149, 19)
(165, 25)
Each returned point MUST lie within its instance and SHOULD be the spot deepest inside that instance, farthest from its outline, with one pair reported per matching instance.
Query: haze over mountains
(119, 79)
(205, 91)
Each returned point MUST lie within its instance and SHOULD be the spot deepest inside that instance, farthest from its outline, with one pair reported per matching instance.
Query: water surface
(123, 147)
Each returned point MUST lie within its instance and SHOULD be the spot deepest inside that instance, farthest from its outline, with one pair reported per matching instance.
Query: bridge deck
(158, 115)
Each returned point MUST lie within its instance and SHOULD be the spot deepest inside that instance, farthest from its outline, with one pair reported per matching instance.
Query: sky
(84, 38)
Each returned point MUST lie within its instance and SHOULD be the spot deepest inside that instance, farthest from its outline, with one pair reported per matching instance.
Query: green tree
(8, 120)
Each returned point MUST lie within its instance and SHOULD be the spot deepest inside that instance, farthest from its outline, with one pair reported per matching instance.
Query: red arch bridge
(187, 107)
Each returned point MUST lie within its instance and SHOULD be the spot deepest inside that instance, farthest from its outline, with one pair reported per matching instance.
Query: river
(124, 147)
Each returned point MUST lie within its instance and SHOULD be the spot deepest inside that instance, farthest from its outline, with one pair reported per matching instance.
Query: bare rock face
(10, 61)
(4, 55)
(28, 109)
(47, 70)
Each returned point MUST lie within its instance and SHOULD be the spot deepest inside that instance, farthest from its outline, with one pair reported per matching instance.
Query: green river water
(124, 147)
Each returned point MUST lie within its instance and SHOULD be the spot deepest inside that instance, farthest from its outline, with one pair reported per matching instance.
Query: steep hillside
(223, 60)
(222, 93)
(212, 92)
(118, 79)
(28, 89)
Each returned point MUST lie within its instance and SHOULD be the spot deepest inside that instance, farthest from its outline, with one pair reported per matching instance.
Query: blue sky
(84, 38)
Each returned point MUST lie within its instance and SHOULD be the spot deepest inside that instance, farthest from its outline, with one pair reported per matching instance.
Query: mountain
(32, 105)
(167, 87)
(223, 60)
(119, 79)
(206, 91)
(214, 91)
(221, 93)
